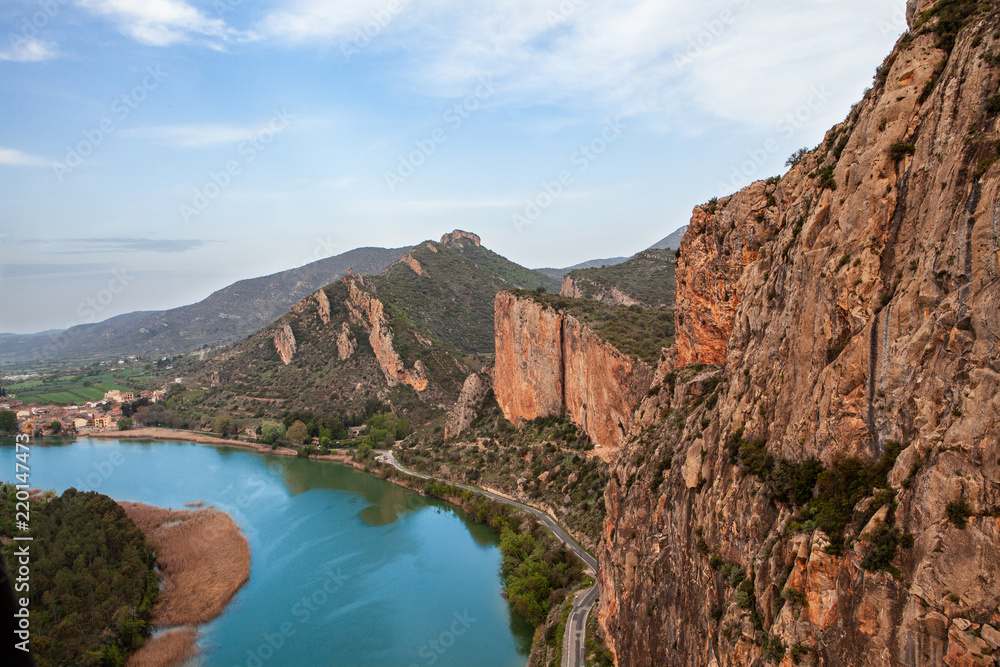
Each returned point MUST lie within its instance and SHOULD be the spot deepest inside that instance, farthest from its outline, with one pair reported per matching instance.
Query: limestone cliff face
(368, 312)
(849, 306)
(284, 343)
(546, 360)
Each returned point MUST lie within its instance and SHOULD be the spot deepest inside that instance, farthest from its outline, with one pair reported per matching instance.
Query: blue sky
(186, 144)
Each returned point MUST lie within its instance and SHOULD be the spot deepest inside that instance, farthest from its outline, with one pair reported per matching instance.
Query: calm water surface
(346, 569)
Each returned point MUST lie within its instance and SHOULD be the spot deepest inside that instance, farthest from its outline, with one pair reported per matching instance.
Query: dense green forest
(93, 583)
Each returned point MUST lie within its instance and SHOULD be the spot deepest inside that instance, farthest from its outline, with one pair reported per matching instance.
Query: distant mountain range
(228, 315)
(671, 242)
(232, 313)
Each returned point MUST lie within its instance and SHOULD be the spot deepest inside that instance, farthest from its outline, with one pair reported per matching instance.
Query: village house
(119, 396)
(103, 423)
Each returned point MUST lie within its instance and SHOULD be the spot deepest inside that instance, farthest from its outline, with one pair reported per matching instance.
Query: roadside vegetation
(544, 463)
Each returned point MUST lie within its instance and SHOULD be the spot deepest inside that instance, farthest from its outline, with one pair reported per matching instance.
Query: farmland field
(76, 389)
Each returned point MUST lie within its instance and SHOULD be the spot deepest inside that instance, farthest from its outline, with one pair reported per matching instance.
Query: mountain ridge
(225, 316)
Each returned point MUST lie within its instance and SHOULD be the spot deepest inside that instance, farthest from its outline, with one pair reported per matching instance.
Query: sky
(154, 151)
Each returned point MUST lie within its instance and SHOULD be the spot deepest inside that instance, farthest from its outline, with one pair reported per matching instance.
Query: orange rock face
(284, 343)
(546, 360)
(851, 306)
(368, 312)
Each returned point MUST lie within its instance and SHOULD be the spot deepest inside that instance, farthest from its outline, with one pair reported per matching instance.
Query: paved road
(575, 638)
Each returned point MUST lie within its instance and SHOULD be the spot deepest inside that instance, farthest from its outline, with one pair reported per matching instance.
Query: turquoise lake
(346, 569)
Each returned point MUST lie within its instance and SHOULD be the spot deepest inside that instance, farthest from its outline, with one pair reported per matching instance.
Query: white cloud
(742, 60)
(28, 50)
(164, 22)
(311, 20)
(193, 136)
(14, 158)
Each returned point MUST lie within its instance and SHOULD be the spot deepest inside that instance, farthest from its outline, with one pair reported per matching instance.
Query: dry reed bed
(174, 647)
(203, 559)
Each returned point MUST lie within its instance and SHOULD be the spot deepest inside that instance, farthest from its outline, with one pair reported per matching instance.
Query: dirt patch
(203, 560)
(170, 648)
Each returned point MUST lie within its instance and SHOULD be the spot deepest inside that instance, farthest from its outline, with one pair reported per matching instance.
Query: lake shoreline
(204, 560)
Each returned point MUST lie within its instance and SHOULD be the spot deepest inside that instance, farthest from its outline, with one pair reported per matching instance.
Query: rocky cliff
(547, 361)
(368, 312)
(827, 490)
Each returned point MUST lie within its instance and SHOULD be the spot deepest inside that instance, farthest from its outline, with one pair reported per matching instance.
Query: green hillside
(453, 298)
(647, 277)
(438, 304)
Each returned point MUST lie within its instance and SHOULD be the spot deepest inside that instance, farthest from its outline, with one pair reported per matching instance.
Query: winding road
(575, 636)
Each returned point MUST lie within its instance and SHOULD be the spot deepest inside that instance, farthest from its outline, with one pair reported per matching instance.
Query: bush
(993, 105)
(8, 421)
(271, 432)
(826, 179)
(959, 512)
(223, 425)
(900, 150)
(881, 548)
(797, 157)
(125, 424)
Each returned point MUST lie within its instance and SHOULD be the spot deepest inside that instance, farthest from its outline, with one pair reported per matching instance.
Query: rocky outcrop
(318, 301)
(610, 295)
(347, 345)
(461, 416)
(368, 312)
(547, 361)
(850, 309)
(284, 343)
(459, 238)
(411, 262)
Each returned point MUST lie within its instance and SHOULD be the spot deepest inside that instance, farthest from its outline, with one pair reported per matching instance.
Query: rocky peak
(458, 238)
